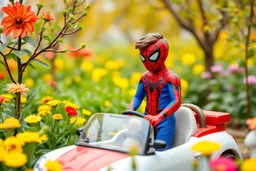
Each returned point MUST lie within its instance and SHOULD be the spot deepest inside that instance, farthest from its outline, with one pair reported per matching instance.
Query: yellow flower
(1, 143)
(57, 116)
(53, 166)
(2, 152)
(47, 77)
(198, 69)
(32, 119)
(68, 103)
(42, 113)
(11, 123)
(77, 79)
(107, 103)
(7, 97)
(23, 99)
(86, 112)
(54, 103)
(188, 59)
(206, 147)
(132, 92)
(135, 78)
(45, 108)
(142, 106)
(80, 121)
(29, 82)
(86, 66)
(46, 99)
(28, 169)
(184, 87)
(59, 64)
(17, 88)
(98, 73)
(43, 138)
(120, 82)
(114, 65)
(13, 144)
(2, 126)
(15, 159)
(249, 165)
(29, 137)
(72, 120)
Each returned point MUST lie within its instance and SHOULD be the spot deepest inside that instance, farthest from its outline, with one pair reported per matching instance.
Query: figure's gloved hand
(154, 120)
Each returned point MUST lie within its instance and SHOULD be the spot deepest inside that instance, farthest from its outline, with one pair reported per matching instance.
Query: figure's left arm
(174, 89)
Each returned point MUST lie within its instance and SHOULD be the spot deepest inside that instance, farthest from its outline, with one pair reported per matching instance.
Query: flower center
(18, 20)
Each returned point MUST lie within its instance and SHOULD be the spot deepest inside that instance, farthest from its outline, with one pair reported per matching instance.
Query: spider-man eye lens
(154, 56)
(142, 58)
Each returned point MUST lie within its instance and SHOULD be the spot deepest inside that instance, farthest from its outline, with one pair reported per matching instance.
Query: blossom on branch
(19, 20)
(47, 16)
(17, 88)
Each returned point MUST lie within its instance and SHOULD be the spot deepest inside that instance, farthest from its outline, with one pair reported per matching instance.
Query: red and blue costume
(162, 90)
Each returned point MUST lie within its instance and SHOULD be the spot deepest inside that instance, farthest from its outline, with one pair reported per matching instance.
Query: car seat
(185, 126)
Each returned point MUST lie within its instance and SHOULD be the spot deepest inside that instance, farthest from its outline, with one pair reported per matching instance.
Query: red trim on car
(89, 159)
(215, 122)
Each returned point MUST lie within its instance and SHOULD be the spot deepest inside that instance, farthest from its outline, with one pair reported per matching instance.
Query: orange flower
(17, 88)
(19, 20)
(47, 16)
(83, 53)
(251, 123)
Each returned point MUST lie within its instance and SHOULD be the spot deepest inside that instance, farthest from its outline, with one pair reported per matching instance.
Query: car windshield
(115, 132)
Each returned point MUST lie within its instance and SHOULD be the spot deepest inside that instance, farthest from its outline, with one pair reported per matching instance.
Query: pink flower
(206, 75)
(235, 69)
(251, 80)
(217, 69)
(17, 88)
(223, 164)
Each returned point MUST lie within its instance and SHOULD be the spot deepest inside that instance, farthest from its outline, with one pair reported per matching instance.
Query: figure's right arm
(139, 96)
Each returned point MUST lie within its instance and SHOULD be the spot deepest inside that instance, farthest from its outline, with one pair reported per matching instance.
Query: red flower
(83, 53)
(2, 76)
(2, 99)
(71, 111)
(47, 16)
(19, 20)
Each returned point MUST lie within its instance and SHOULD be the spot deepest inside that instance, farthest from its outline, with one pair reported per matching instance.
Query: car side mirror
(159, 144)
(78, 131)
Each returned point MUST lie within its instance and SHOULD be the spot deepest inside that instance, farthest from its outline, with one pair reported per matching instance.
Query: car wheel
(229, 154)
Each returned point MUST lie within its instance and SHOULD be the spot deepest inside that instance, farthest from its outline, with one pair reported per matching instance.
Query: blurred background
(211, 47)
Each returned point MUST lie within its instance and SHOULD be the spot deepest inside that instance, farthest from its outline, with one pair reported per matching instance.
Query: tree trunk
(208, 58)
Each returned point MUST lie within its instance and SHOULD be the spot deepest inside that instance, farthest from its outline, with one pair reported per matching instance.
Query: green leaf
(41, 63)
(11, 56)
(4, 45)
(30, 41)
(250, 53)
(3, 63)
(48, 38)
(28, 52)
(32, 66)
(32, 95)
(21, 53)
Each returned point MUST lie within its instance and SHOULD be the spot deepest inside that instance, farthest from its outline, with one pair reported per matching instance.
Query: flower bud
(84, 14)
(39, 6)
(83, 45)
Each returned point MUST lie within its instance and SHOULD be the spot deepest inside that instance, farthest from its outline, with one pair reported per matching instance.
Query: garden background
(211, 47)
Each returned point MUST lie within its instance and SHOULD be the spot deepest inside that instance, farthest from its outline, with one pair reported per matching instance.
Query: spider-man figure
(160, 86)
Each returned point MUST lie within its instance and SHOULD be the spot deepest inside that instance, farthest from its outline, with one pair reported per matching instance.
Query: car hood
(86, 158)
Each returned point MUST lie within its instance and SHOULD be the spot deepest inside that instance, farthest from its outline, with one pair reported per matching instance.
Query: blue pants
(166, 129)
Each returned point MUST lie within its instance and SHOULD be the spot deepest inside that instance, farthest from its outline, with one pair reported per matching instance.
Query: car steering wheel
(127, 112)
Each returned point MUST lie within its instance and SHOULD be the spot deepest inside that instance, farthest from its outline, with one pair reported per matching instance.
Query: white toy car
(106, 139)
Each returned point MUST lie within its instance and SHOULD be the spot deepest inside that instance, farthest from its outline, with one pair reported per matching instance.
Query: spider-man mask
(154, 55)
